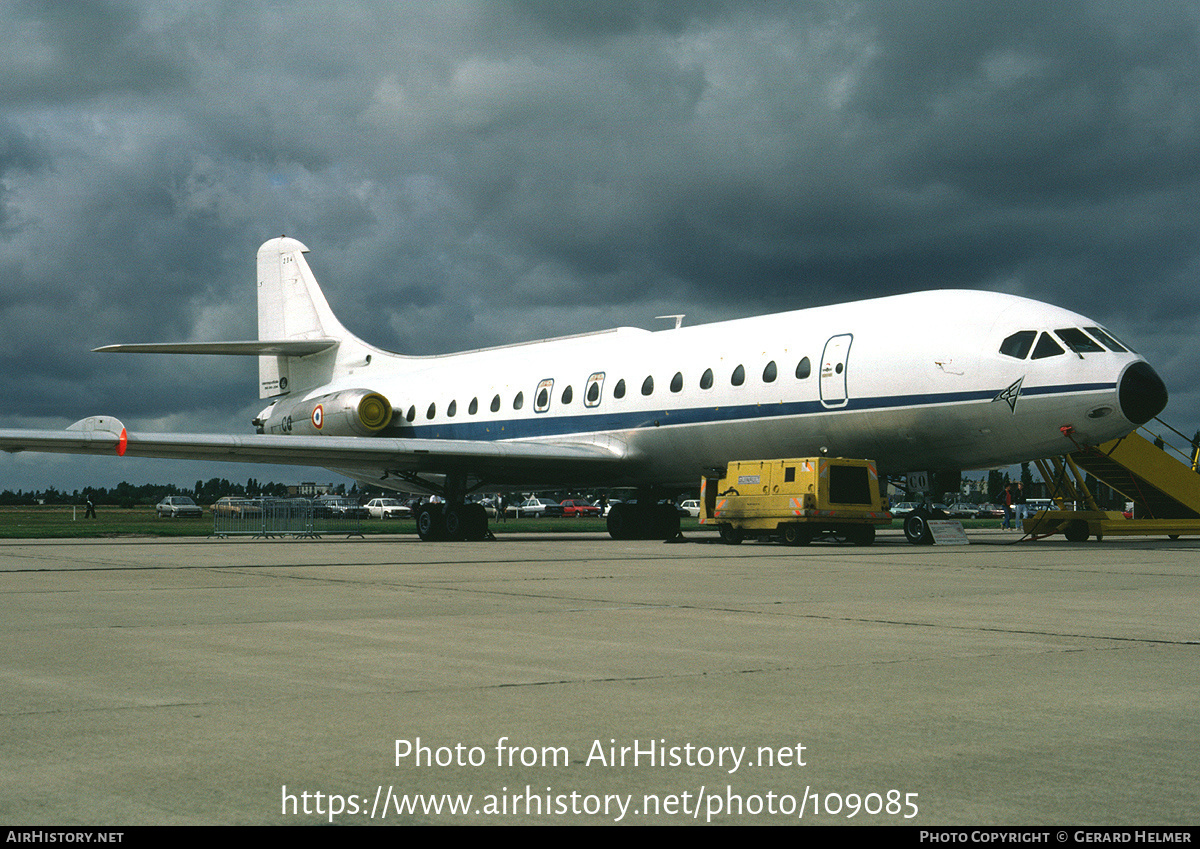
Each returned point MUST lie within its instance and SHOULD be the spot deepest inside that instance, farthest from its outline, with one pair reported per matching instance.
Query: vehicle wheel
(429, 523)
(796, 535)
(916, 527)
(1076, 531)
(862, 535)
(730, 535)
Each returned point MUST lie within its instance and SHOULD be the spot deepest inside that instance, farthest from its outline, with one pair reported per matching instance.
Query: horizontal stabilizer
(254, 348)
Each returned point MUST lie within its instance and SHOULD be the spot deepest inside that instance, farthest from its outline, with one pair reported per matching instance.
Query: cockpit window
(1106, 340)
(1018, 344)
(1047, 347)
(1078, 341)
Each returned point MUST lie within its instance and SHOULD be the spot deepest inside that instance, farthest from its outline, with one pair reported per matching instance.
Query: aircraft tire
(916, 527)
(664, 522)
(622, 522)
(455, 522)
(475, 522)
(796, 535)
(430, 526)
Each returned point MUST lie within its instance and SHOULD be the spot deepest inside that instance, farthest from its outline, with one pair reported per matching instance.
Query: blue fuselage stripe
(546, 424)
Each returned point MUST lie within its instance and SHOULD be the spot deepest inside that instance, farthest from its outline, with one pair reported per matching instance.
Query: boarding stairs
(1148, 468)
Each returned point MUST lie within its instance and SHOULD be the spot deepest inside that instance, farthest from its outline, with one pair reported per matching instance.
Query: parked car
(577, 508)
(961, 510)
(231, 506)
(903, 508)
(339, 506)
(989, 511)
(178, 507)
(536, 507)
(691, 508)
(387, 508)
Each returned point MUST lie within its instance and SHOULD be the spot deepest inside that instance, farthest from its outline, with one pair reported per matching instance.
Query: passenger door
(833, 370)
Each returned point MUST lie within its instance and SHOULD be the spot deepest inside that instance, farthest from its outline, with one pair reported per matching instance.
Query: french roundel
(318, 416)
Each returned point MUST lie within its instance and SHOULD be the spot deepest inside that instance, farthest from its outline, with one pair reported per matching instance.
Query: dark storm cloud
(478, 173)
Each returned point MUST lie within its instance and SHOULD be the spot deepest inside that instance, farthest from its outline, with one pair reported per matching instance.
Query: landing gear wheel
(730, 535)
(664, 522)
(1076, 531)
(455, 520)
(796, 535)
(916, 527)
(430, 526)
(475, 522)
(622, 521)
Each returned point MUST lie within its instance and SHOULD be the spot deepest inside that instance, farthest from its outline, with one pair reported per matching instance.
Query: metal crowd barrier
(269, 518)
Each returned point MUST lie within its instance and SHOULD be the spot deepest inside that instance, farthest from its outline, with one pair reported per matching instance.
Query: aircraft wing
(509, 462)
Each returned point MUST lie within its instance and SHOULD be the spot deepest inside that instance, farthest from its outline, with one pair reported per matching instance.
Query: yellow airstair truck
(795, 501)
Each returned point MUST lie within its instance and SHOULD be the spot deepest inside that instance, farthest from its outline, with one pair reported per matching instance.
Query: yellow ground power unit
(795, 500)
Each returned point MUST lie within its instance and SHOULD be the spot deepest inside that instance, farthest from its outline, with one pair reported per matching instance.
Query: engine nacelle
(351, 412)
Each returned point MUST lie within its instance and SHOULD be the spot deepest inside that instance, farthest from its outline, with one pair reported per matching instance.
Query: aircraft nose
(1142, 393)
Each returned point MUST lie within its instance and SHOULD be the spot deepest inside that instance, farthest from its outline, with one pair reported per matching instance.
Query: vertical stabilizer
(292, 307)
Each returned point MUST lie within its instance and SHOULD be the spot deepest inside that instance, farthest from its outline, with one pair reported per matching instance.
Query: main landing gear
(452, 522)
(643, 519)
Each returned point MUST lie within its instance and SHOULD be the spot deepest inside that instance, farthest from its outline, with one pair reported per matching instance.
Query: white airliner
(941, 380)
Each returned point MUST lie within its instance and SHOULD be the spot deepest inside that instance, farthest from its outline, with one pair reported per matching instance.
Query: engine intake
(351, 412)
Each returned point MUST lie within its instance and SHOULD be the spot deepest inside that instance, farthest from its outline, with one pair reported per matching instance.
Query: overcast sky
(475, 173)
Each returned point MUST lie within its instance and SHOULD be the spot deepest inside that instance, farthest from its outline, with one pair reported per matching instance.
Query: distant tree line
(128, 495)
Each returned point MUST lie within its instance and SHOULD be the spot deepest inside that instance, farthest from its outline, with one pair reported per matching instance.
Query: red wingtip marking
(122, 443)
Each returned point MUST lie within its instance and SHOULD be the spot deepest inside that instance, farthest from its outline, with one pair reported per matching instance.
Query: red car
(579, 508)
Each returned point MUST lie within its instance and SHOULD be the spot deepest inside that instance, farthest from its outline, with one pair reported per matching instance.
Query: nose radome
(1142, 393)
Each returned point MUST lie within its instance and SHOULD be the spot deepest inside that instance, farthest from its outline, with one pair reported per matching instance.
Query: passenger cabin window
(1047, 347)
(593, 393)
(1106, 340)
(677, 382)
(519, 401)
(412, 413)
(739, 376)
(474, 408)
(619, 389)
(706, 379)
(1018, 344)
(803, 369)
(496, 404)
(648, 385)
(567, 395)
(431, 412)
(770, 372)
(452, 409)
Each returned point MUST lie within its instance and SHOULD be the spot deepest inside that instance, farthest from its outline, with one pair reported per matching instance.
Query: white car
(178, 507)
(535, 507)
(691, 507)
(387, 508)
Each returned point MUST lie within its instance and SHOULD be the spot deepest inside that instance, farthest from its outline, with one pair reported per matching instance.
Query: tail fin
(292, 308)
(300, 345)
